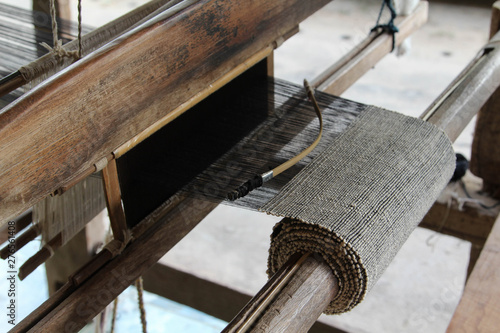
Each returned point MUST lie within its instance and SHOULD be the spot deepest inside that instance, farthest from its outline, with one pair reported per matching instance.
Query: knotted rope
(389, 27)
(58, 48)
(140, 301)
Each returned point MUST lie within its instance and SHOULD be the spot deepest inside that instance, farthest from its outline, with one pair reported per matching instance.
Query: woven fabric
(359, 200)
(68, 213)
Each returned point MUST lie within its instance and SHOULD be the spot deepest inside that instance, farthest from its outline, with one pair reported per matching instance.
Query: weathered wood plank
(468, 224)
(480, 304)
(75, 119)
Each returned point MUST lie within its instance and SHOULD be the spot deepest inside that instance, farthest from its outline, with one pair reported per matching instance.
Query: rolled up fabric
(358, 201)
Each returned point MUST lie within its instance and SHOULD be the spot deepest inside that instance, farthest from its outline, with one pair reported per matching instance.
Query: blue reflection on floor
(162, 315)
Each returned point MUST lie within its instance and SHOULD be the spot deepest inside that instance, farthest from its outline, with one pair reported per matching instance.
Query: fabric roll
(358, 201)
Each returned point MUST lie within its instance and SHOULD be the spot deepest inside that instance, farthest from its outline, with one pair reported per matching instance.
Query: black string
(389, 27)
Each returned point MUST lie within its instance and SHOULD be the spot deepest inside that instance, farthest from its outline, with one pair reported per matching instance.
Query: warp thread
(50, 64)
(68, 213)
(113, 317)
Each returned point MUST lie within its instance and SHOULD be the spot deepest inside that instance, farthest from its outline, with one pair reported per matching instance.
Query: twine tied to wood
(58, 48)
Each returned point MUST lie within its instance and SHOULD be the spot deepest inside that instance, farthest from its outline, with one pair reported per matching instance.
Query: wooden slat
(480, 304)
(469, 224)
(69, 123)
(114, 201)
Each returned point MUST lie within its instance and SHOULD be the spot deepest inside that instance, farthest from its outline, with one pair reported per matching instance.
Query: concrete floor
(421, 288)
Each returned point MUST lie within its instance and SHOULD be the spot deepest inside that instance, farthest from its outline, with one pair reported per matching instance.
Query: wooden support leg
(485, 157)
(478, 309)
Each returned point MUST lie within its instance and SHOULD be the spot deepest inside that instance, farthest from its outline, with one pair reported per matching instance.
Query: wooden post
(62, 8)
(480, 304)
(485, 157)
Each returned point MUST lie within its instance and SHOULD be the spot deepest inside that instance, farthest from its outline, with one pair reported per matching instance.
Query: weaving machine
(130, 108)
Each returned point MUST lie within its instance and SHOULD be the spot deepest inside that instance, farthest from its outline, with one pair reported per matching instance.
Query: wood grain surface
(480, 304)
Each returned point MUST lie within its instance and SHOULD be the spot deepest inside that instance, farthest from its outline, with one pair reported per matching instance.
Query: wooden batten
(67, 124)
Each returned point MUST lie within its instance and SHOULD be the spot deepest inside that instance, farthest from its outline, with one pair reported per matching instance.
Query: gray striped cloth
(358, 201)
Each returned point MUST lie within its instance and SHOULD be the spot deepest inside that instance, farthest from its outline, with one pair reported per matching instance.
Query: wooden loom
(123, 66)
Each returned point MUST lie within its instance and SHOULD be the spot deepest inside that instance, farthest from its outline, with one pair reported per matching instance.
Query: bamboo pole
(463, 98)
